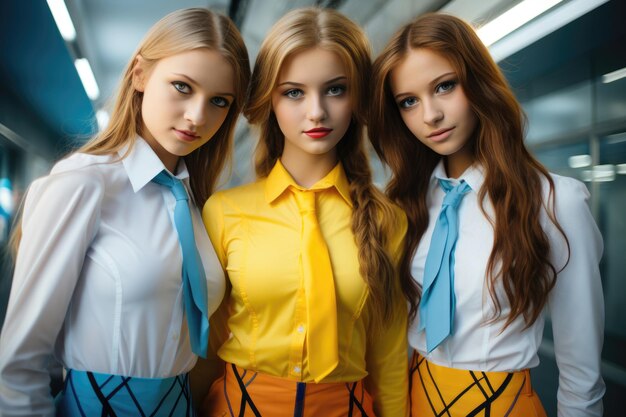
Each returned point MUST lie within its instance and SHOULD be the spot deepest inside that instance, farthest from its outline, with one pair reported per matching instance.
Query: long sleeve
(208, 370)
(576, 304)
(387, 352)
(60, 219)
(213, 217)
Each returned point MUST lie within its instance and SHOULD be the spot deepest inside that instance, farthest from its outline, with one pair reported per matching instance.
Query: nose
(432, 112)
(195, 112)
(316, 108)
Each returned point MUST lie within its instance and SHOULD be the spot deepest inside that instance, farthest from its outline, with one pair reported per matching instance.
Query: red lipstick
(318, 132)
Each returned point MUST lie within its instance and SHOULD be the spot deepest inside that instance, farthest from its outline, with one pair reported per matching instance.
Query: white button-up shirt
(575, 305)
(98, 280)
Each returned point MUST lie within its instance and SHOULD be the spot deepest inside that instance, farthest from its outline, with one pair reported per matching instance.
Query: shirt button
(296, 369)
(301, 328)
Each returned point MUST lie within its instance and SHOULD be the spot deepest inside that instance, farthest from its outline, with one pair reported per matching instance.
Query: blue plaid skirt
(90, 394)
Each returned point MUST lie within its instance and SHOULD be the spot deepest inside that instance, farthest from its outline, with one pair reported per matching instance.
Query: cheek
(216, 121)
(411, 121)
(286, 115)
(342, 112)
(157, 104)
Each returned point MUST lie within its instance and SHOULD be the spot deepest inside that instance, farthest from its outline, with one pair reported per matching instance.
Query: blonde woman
(314, 324)
(115, 275)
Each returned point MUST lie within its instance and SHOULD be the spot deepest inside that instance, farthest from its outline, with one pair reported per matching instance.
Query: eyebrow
(333, 80)
(197, 83)
(434, 81)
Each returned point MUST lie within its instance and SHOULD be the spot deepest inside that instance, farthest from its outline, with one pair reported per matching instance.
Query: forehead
(311, 66)
(418, 69)
(206, 67)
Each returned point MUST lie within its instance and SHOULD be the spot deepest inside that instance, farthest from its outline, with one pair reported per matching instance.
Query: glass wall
(579, 130)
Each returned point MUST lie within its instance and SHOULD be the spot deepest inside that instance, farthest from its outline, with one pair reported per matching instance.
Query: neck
(458, 162)
(307, 169)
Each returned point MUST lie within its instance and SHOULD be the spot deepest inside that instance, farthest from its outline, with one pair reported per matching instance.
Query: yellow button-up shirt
(256, 231)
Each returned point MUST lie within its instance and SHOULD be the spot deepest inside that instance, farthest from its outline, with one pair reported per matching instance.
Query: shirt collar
(279, 180)
(473, 175)
(142, 164)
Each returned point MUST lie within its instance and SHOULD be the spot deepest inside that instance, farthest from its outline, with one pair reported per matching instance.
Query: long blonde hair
(373, 215)
(520, 258)
(180, 31)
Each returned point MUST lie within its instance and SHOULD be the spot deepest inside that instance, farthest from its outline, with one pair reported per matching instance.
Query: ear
(139, 73)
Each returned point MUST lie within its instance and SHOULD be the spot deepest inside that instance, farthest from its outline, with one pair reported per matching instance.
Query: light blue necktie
(438, 300)
(194, 280)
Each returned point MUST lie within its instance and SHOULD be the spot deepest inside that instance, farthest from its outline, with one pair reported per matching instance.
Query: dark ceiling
(37, 72)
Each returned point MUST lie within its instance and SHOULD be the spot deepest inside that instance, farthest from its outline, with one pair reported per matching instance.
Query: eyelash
(440, 88)
(184, 88)
(180, 86)
(224, 102)
(450, 84)
(296, 93)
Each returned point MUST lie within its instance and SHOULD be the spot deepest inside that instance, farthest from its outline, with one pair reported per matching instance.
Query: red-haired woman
(494, 241)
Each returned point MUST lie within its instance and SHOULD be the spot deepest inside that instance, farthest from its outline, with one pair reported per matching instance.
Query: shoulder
(74, 185)
(569, 195)
(571, 209)
(82, 163)
(236, 197)
(397, 223)
(77, 172)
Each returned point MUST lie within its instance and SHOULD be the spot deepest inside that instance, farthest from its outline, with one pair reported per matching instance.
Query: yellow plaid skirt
(440, 391)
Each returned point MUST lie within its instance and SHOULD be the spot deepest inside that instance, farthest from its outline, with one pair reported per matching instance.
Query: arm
(60, 219)
(576, 304)
(208, 370)
(387, 352)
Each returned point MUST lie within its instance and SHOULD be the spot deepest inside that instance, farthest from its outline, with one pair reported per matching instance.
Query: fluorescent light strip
(579, 161)
(102, 116)
(512, 19)
(542, 26)
(87, 78)
(62, 19)
(614, 76)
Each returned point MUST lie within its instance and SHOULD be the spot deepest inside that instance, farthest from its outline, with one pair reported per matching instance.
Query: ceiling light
(62, 19)
(621, 169)
(512, 19)
(600, 173)
(579, 161)
(542, 26)
(102, 116)
(86, 76)
(614, 76)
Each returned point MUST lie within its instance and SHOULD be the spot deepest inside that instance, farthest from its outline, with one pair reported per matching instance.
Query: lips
(441, 134)
(318, 132)
(186, 135)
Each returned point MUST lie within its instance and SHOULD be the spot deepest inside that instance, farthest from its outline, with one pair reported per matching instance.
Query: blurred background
(565, 59)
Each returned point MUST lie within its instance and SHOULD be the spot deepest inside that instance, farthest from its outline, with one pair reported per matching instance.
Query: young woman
(494, 241)
(105, 237)
(315, 311)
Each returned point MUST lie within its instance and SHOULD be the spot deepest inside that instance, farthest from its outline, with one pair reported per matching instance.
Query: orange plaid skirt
(439, 391)
(246, 393)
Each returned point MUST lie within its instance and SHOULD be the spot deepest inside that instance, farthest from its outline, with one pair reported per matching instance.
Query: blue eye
(408, 103)
(445, 86)
(182, 87)
(294, 93)
(220, 102)
(336, 90)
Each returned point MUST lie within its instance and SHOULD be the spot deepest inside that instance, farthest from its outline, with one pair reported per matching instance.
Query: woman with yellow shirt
(315, 323)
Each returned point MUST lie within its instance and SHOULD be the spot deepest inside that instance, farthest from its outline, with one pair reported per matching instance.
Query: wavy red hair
(513, 177)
